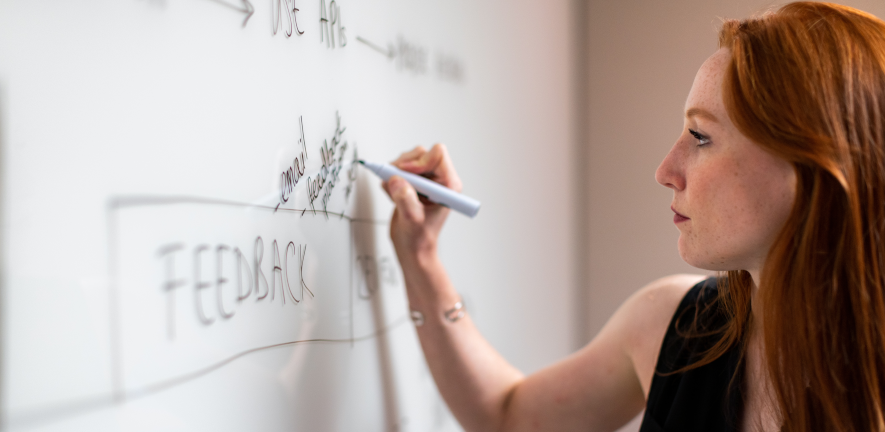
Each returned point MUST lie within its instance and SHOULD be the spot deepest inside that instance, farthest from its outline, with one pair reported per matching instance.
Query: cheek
(776, 204)
(749, 211)
(718, 198)
(715, 202)
(737, 214)
(770, 189)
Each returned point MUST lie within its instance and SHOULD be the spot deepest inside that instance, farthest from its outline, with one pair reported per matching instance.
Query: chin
(702, 260)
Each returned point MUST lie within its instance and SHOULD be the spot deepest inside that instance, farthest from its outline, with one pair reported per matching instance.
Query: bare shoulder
(643, 319)
(605, 384)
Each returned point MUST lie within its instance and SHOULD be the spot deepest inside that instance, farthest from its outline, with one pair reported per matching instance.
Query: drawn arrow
(246, 9)
(389, 53)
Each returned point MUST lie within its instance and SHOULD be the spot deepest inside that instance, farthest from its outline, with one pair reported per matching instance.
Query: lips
(678, 217)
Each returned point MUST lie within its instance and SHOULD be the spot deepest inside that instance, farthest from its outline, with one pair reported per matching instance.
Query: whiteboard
(187, 244)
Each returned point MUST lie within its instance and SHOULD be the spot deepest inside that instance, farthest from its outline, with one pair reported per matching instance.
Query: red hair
(807, 83)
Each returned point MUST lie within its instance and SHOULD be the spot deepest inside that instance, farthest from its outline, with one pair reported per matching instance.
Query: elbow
(506, 410)
(494, 415)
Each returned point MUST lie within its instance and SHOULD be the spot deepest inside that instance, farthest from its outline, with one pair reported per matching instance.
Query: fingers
(435, 164)
(416, 222)
(427, 161)
(409, 155)
(405, 198)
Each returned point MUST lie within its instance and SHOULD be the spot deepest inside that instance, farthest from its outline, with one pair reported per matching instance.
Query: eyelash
(702, 140)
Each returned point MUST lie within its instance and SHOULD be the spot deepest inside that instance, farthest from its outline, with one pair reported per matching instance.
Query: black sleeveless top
(701, 399)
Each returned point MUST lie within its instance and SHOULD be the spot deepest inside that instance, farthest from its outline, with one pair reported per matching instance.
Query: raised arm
(598, 388)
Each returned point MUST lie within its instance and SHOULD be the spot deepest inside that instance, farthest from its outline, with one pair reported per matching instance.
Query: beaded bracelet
(452, 315)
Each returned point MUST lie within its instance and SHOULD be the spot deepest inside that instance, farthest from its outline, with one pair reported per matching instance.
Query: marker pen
(432, 190)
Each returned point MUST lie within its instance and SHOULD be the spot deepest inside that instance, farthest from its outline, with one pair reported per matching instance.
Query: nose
(670, 172)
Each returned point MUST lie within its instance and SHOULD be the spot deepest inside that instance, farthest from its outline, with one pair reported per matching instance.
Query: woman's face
(730, 197)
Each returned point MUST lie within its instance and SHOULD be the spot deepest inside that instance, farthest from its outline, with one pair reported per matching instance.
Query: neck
(754, 300)
(755, 275)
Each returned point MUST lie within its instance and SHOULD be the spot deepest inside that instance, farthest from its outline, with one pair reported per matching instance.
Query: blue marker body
(432, 190)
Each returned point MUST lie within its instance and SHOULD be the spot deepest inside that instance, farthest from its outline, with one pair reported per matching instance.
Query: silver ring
(417, 318)
(455, 313)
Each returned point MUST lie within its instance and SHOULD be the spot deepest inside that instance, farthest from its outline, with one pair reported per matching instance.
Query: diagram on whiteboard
(189, 243)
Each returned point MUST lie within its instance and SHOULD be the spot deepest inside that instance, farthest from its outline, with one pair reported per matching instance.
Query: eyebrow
(700, 112)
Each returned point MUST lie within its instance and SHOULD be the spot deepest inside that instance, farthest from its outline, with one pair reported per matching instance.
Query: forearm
(596, 388)
(472, 377)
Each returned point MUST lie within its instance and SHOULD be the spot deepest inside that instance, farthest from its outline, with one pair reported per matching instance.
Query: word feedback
(253, 271)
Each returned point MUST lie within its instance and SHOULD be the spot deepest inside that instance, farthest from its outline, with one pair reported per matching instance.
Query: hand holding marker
(432, 190)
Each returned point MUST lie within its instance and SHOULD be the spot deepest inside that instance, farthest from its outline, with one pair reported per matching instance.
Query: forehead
(706, 91)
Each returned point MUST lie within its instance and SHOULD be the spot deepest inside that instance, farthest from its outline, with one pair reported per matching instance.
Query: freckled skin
(736, 195)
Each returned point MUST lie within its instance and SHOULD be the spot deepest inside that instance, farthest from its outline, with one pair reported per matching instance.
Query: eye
(702, 140)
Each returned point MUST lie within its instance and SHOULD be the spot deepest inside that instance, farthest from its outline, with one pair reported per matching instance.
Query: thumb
(406, 199)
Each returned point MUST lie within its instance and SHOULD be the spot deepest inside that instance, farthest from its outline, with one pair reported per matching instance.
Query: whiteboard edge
(3, 303)
(580, 104)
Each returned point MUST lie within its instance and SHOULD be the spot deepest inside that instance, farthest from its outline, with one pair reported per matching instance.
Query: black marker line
(277, 17)
(171, 284)
(259, 272)
(387, 53)
(240, 260)
(246, 9)
(118, 394)
(67, 410)
(200, 285)
(172, 382)
(127, 201)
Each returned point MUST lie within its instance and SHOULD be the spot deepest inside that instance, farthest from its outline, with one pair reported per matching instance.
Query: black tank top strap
(707, 398)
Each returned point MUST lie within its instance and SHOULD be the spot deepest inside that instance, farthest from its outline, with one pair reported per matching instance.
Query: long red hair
(807, 83)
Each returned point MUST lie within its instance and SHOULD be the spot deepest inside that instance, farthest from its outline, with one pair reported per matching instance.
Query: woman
(778, 179)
